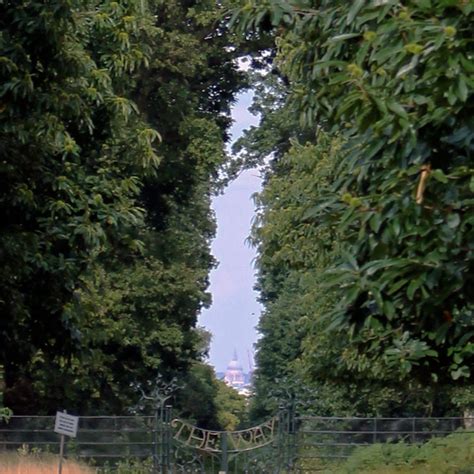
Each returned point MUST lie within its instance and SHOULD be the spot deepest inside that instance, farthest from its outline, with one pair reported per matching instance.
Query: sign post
(61, 454)
(65, 425)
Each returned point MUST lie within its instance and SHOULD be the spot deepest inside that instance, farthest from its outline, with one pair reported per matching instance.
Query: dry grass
(39, 464)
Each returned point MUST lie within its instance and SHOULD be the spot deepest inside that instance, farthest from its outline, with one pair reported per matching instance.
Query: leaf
(351, 260)
(375, 222)
(425, 4)
(395, 224)
(462, 91)
(374, 147)
(465, 338)
(336, 39)
(356, 6)
(408, 67)
(413, 286)
(277, 15)
(336, 278)
(453, 220)
(351, 295)
(397, 108)
(462, 371)
(372, 267)
(389, 309)
(460, 136)
(439, 176)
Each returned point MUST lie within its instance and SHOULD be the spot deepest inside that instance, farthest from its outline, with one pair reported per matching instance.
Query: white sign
(66, 424)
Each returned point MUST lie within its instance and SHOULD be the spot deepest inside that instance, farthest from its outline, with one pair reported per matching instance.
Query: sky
(234, 312)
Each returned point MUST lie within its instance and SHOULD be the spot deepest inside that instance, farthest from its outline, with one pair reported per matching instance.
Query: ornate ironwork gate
(185, 448)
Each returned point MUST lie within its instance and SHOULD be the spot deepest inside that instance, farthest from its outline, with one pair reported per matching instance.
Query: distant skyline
(234, 312)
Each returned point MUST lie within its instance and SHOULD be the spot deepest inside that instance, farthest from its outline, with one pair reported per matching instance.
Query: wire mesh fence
(336, 438)
(99, 438)
(107, 440)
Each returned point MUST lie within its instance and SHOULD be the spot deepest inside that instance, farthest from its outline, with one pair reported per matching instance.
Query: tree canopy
(114, 117)
(391, 83)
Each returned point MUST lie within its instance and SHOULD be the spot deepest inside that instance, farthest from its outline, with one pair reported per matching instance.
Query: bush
(129, 466)
(451, 454)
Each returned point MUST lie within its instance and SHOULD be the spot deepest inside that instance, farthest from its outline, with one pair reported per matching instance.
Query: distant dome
(234, 375)
(234, 364)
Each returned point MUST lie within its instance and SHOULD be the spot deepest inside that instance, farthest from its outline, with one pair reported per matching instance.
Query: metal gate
(186, 448)
(287, 443)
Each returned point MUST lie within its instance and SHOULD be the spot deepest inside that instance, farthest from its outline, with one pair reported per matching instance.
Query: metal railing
(99, 437)
(171, 446)
(336, 438)
(294, 441)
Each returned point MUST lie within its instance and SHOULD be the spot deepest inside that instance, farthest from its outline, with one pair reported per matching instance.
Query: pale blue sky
(234, 312)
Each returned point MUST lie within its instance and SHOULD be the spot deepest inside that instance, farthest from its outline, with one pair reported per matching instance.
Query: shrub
(451, 454)
(129, 466)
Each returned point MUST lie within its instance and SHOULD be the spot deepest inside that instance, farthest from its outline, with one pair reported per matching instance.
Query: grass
(13, 463)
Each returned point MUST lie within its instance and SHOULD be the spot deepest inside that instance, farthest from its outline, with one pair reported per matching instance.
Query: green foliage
(208, 402)
(278, 125)
(4, 411)
(196, 400)
(453, 453)
(296, 350)
(128, 467)
(232, 410)
(394, 82)
(73, 148)
(136, 321)
(114, 117)
(293, 253)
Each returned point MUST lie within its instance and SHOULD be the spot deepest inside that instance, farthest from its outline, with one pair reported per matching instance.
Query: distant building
(236, 378)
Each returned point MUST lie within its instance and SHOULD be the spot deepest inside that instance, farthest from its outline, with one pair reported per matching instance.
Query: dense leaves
(208, 402)
(73, 148)
(392, 80)
(114, 118)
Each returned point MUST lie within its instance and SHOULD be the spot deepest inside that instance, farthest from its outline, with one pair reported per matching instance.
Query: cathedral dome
(234, 364)
(234, 375)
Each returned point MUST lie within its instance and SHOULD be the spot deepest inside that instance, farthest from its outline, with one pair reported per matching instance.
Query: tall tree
(73, 148)
(106, 223)
(392, 80)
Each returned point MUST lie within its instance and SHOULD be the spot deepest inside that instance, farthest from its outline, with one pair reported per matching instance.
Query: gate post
(156, 426)
(166, 441)
(162, 439)
(224, 458)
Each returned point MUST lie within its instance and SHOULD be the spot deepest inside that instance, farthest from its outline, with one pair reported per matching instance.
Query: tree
(73, 150)
(106, 222)
(232, 408)
(392, 81)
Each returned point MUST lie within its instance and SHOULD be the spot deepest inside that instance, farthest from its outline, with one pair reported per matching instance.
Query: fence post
(288, 444)
(166, 446)
(291, 434)
(156, 427)
(281, 439)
